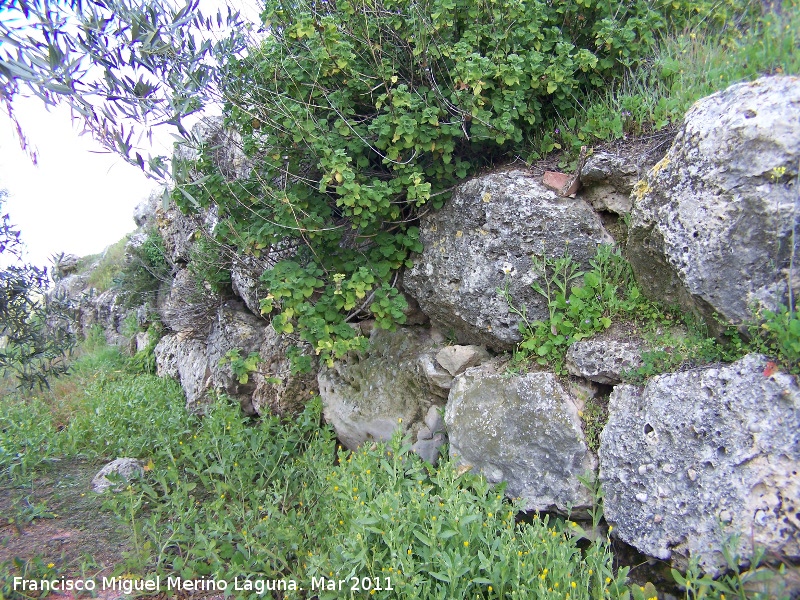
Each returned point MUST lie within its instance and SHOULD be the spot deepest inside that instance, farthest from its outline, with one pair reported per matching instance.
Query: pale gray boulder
(602, 360)
(524, 430)
(457, 359)
(370, 396)
(186, 359)
(234, 329)
(278, 390)
(711, 227)
(125, 468)
(482, 241)
(695, 459)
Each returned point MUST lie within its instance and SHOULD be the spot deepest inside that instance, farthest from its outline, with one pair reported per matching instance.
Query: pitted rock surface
(482, 241)
(696, 458)
(711, 227)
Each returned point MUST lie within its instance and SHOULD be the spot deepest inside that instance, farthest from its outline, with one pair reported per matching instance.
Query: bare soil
(59, 519)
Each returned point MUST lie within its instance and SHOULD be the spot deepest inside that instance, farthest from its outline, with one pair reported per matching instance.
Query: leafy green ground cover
(224, 496)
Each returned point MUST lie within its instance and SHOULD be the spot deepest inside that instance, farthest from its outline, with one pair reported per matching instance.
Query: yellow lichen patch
(459, 233)
(641, 189)
(660, 166)
(487, 197)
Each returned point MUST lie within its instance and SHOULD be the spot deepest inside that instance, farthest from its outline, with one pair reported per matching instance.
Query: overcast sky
(76, 199)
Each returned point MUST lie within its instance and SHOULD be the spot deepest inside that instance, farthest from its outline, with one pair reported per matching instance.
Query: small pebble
(641, 497)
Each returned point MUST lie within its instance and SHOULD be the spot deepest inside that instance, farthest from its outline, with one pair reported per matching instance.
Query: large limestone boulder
(370, 396)
(234, 328)
(144, 214)
(524, 430)
(483, 240)
(185, 358)
(712, 223)
(697, 458)
(278, 390)
(179, 232)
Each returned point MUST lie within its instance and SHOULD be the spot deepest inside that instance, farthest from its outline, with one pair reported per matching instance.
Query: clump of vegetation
(143, 271)
(580, 303)
(36, 333)
(584, 303)
(403, 102)
(103, 275)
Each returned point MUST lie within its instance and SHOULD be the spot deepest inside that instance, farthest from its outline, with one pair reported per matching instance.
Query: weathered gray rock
(437, 376)
(697, 457)
(711, 228)
(483, 240)
(607, 182)
(179, 232)
(603, 361)
(126, 468)
(185, 358)
(524, 430)
(64, 265)
(457, 359)
(234, 328)
(245, 271)
(370, 396)
(144, 215)
(278, 390)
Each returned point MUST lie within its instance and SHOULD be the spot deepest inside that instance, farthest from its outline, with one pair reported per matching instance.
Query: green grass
(224, 496)
(686, 67)
(109, 268)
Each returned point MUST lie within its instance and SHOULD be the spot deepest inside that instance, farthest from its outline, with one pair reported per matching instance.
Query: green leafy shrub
(403, 101)
(144, 361)
(780, 336)
(608, 292)
(241, 368)
(144, 271)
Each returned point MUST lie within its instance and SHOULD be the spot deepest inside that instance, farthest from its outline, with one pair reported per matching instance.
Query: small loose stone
(641, 497)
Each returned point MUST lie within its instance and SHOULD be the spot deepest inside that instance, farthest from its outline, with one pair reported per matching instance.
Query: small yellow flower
(51, 565)
(491, 589)
(608, 580)
(466, 543)
(573, 585)
(408, 551)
